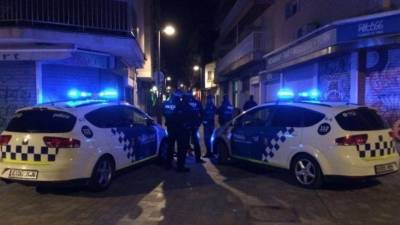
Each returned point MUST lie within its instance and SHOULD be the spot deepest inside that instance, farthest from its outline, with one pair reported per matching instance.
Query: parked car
(77, 141)
(312, 140)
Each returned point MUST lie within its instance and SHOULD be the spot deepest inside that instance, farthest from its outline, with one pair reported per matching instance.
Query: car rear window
(41, 121)
(361, 119)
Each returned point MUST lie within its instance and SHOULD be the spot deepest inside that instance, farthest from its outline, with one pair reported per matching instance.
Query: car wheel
(222, 153)
(102, 174)
(307, 172)
(163, 152)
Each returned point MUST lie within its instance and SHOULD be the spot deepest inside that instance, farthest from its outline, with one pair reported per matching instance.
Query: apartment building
(347, 49)
(48, 48)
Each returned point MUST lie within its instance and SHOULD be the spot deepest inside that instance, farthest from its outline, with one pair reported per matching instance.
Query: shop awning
(344, 35)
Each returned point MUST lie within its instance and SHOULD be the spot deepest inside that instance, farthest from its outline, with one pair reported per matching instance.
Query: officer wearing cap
(225, 111)
(171, 121)
(196, 114)
(210, 111)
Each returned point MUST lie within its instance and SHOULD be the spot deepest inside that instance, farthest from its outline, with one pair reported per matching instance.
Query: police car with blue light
(78, 140)
(311, 139)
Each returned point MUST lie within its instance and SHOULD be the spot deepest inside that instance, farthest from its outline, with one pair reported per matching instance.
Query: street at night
(219, 112)
(208, 195)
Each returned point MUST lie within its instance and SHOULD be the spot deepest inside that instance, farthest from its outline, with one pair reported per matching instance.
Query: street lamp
(168, 30)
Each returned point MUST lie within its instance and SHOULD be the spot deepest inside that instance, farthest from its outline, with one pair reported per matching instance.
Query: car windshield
(361, 119)
(41, 121)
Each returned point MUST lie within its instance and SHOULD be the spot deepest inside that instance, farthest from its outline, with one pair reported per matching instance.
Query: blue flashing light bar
(314, 94)
(285, 94)
(109, 94)
(76, 94)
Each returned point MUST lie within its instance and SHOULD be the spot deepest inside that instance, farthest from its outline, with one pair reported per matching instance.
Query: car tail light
(4, 139)
(352, 140)
(58, 142)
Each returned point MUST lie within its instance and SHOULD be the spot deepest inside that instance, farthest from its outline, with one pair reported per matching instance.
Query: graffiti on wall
(383, 83)
(10, 101)
(17, 90)
(334, 79)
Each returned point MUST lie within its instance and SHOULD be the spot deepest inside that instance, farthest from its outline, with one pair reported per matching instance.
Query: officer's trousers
(194, 135)
(183, 145)
(208, 131)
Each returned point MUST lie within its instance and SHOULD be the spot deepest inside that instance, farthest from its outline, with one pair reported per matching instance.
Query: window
(287, 116)
(210, 76)
(291, 8)
(42, 121)
(310, 117)
(110, 117)
(290, 116)
(361, 119)
(139, 118)
(254, 118)
(116, 116)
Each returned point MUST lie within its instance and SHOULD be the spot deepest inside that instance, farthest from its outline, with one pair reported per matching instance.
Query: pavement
(209, 194)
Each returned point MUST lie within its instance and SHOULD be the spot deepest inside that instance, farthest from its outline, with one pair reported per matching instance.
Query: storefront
(33, 74)
(351, 61)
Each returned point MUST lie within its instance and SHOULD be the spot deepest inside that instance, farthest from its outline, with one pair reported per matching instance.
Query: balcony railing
(253, 47)
(83, 15)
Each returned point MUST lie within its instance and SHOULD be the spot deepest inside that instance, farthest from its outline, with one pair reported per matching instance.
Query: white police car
(311, 140)
(77, 141)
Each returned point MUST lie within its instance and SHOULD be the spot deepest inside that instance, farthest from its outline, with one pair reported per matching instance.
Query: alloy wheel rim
(104, 172)
(305, 171)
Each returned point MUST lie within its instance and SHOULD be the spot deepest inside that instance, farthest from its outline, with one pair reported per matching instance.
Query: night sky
(194, 42)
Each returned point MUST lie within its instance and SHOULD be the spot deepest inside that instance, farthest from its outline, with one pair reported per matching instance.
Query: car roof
(79, 106)
(323, 107)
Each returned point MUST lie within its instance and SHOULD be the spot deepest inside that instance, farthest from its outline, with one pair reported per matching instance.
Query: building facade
(347, 49)
(50, 47)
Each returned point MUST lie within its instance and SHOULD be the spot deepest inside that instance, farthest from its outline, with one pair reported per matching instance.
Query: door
(139, 140)
(283, 136)
(146, 137)
(247, 135)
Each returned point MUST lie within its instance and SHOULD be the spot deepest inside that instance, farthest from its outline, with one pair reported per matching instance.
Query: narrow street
(208, 195)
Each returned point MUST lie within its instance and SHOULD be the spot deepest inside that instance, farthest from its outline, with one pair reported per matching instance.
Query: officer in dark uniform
(196, 115)
(183, 125)
(168, 109)
(225, 111)
(209, 123)
(250, 103)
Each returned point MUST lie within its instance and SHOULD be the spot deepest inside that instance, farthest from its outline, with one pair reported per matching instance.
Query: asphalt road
(209, 194)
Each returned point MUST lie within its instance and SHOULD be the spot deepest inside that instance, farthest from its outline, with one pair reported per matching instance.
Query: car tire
(163, 152)
(102, 175)
(307, 172)
(222, 153)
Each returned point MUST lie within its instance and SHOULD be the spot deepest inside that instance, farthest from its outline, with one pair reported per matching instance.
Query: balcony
(251, 48)
(104, 16)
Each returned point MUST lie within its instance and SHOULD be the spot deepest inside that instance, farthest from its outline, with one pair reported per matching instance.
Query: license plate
(23, 174)
(385, 168)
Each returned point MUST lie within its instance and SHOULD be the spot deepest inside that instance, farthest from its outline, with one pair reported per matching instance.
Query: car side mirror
(150, 122)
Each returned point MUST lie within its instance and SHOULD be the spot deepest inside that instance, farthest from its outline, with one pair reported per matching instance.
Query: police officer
(169, 112)
(225, 111)
(196, 114)
(183, 125)
(249, 103)
(209, 123)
